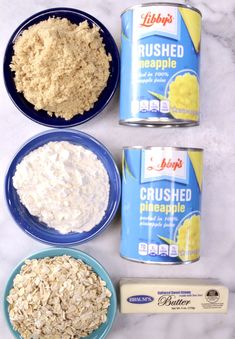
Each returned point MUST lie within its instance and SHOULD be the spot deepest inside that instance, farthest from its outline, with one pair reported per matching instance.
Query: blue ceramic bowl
(30, 224)
(75, 16)
(103, 330)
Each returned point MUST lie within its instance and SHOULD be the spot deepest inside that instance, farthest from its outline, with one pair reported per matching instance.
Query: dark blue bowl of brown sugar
(75, 16)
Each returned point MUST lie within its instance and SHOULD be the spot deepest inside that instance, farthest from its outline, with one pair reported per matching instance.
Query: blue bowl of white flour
(62, 204)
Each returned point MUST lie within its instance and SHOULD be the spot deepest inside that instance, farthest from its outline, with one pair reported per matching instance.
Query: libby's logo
(149, 19)
(165, 163)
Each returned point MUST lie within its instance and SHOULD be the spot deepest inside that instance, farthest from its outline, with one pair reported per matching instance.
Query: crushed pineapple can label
(161, 204)
(160, 65)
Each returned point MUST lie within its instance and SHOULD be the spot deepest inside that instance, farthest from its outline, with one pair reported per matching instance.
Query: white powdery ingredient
(65, 185)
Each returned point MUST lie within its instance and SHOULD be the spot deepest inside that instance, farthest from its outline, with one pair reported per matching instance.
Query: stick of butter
(173, 296)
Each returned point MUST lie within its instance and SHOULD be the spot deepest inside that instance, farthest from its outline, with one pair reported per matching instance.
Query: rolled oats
(58, 297)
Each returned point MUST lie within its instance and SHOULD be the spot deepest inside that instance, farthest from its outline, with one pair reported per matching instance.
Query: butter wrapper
(173, 296)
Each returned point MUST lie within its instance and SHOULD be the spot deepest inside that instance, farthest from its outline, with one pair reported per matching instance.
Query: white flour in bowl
(65, 185)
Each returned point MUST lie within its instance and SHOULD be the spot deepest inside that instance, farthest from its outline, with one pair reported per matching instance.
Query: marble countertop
(215, 134)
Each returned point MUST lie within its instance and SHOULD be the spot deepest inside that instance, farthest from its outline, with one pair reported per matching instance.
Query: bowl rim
(115, 57)
(72, 252)
(117, 199)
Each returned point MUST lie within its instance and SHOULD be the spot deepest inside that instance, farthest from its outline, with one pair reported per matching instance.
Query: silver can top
(162, 4)
(193, 149)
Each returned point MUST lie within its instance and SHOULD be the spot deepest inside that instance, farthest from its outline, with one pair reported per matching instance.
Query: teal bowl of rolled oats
(60, 293)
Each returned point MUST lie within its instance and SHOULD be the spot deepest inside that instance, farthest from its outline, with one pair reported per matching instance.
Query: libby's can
(160, 60)
(161, 204)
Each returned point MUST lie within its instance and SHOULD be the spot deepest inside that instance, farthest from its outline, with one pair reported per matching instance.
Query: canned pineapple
(161, 203)
(160, 65)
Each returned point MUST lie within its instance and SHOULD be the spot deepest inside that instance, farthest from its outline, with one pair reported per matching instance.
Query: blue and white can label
(160, 60)
(161, 204)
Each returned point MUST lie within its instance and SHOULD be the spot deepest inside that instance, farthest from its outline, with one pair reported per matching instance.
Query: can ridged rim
(162, 4)
(159, 123)
(166, 263)
(195, 149)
